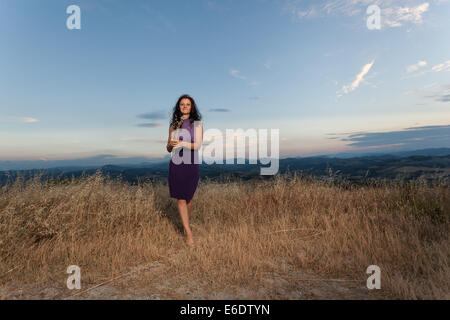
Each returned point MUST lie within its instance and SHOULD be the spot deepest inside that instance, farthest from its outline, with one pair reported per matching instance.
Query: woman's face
(185, 106)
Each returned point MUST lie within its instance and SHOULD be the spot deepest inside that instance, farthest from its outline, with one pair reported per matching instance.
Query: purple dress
(183, 177)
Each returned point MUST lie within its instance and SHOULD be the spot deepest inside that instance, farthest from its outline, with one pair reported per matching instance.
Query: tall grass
(243, 230)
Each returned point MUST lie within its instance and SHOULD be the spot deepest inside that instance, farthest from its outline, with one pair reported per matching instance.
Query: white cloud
(28, 120)
(397, 16)
(416, 66)
(306, 13)
(358, 79)
(437, 68)
(442, 67)
(394, 13)
(236, 74)
(20, 119)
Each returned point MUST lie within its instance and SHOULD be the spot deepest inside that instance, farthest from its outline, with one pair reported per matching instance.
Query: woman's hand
(183, 144)
(174, 143)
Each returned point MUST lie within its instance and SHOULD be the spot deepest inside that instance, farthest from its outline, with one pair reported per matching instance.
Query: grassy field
(288, 238)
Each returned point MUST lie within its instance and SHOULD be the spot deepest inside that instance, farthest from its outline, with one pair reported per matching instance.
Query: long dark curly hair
(194, 115)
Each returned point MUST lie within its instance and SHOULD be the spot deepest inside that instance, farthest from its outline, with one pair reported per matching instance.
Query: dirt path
(294, 284)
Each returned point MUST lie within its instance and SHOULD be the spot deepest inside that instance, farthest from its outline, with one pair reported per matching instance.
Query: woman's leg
(184, 215)
(189, 206)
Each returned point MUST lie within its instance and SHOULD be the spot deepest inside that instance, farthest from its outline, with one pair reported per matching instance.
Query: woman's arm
(168, 146)
(198, 139)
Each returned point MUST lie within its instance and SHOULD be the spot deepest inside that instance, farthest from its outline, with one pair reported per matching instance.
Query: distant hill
(383, 166)
(142, 162)
(421, 152)
(81, 163)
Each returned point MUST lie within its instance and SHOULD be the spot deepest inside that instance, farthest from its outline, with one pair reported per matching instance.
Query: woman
(183, 177)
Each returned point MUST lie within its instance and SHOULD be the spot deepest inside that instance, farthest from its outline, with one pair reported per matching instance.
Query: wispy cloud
(237, 74)
(433, 91)
(415, 67)
(22, 119)
(29, 120)
(442, 67)
(358, 79)
(394, 13)
(442, 95)
(219, 110)
(443, 98)
(412, 137)
(445, 66)
(152, 115)
(150, 125)
(135, 139)
(397, 16)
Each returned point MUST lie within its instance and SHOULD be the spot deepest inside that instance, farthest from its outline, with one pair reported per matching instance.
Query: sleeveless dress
(183, 177)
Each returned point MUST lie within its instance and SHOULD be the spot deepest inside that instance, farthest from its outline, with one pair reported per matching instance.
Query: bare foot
(189, 241)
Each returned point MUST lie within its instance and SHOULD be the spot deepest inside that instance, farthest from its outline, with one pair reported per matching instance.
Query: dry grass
(243, 231)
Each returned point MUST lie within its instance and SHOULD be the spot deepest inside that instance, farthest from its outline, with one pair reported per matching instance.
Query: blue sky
(311, 69)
